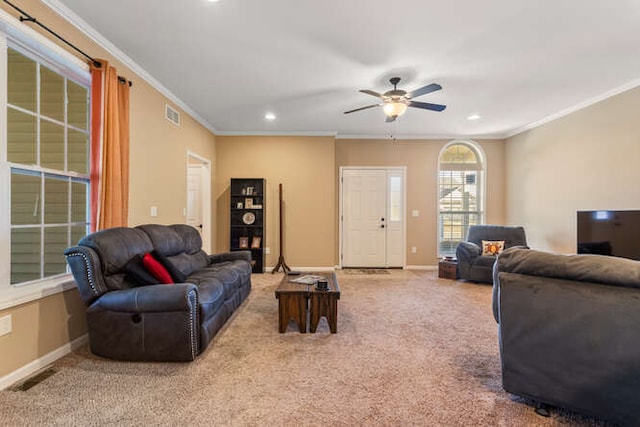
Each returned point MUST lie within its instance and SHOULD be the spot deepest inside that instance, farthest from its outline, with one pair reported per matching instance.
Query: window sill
(12, 296)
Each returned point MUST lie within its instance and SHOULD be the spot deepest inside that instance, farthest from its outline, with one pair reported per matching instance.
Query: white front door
(198, 198)
(364, 218)
(372, 229)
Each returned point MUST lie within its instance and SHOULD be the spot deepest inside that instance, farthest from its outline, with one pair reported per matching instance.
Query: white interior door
(372, 227)
(198, 212)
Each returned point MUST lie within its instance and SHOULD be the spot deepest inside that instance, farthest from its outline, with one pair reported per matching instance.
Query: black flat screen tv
(615, 233)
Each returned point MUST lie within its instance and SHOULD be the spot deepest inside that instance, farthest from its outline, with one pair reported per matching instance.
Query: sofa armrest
(467, 251)
(87, 272)
(230, 256)
(149, 299)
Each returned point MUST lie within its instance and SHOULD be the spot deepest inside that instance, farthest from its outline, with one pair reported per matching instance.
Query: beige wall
(305, 167)
(584, 161)
(421, 159)
(41, 327)
(158, 178)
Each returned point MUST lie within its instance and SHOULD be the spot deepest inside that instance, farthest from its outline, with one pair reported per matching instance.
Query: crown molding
(417, 137)
(103, 42)
(259, 133)
(589, 102)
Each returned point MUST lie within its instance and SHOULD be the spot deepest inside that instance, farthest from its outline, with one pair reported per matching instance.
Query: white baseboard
(42, 362)
(421, 267)
(337, 267)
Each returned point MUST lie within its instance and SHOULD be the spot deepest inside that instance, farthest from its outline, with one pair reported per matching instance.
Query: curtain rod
(28, 18)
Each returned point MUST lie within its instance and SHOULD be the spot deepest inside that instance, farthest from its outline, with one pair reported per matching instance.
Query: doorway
(198, 211)
(372, 217)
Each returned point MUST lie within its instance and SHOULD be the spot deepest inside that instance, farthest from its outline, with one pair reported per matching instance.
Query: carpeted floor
(411, 349)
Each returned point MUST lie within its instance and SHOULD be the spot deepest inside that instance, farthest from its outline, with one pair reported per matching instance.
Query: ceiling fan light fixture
(394, 108)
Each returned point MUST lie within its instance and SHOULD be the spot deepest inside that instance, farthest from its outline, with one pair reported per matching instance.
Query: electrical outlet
(414, 249)
(5, 325)
(267, 251)
(154, 211)
(415, 213)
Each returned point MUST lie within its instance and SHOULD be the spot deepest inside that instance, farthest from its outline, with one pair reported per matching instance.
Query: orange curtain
(97, 88)
(109, 149)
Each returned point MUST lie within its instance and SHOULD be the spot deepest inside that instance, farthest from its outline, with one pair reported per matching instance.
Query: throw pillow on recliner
(492, 247)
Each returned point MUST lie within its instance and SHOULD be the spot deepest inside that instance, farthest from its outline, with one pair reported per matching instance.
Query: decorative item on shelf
(249, 218)
(255, 242)
(257, 207)
(248, 203)
(239, 205)
(249, 191)
(244, 191)
(244, 243)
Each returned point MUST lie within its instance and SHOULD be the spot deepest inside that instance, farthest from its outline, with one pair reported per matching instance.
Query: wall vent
(172, 115)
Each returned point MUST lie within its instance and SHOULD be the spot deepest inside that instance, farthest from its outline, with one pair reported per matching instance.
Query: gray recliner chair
(474, 266)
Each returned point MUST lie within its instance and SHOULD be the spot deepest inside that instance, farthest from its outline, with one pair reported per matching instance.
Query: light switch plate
(415, 212)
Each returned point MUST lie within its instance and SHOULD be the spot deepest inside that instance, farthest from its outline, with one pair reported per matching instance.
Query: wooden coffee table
(295, 299)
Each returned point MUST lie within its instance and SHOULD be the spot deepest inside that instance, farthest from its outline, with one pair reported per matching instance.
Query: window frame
(30, 43)
(481, 188)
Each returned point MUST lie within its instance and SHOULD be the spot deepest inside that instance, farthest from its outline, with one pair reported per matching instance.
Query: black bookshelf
(247, 211)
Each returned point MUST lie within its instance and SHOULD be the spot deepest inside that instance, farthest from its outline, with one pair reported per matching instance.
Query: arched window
(460, 193)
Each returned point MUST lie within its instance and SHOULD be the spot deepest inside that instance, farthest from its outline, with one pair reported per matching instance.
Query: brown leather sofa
(156, 322)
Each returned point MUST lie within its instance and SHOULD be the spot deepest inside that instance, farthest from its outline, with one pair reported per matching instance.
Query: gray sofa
(569, 331)
(474, 266)
(156, 322)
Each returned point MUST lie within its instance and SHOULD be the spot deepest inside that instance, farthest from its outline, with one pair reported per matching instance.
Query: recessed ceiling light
(270, 116)
(473, 117)
(213, 1)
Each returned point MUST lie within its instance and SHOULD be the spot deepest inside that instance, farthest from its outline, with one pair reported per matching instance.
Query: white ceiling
(514, 63)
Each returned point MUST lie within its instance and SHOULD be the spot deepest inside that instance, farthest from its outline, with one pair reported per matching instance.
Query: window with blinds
(460, 196)
(48, 155)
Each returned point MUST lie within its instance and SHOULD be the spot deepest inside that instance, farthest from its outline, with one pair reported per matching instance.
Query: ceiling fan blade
(371, 92)
(427, 106)
(390, 119)
(424, 90)
(362, 108)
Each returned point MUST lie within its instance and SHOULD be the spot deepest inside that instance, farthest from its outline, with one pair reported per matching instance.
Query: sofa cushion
(115, 247)
(583, 268)
(210, 295)
(225, 273)
(189, 263)
(484, 261)
(191, 239)
(165, 239)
